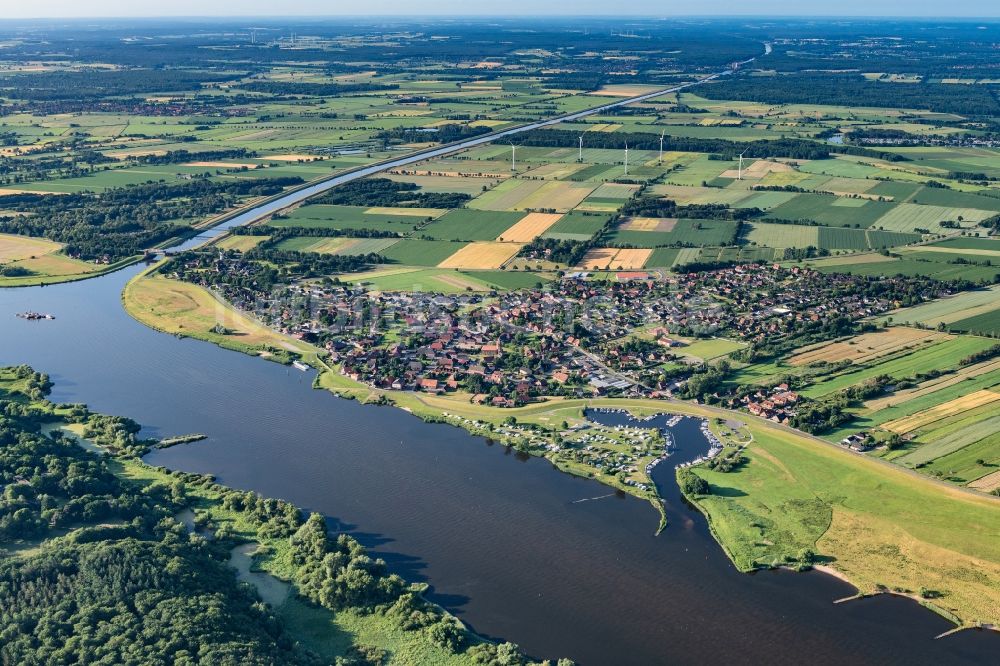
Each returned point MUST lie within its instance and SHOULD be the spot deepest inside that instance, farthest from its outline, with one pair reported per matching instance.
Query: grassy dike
(188, 310)
(881, 527)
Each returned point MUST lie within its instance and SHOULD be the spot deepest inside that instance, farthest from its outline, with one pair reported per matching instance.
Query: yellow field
(140, 152)
(329, 245)
(529, 227)
(961, 251)
(630, 259)
(15, 248)
(484, 254)
(866, 347)
(183, 308)
(241, 243)
(649, 224)
(4, 191)
(932, 385)
(555, 170)
(988, 483)
(944, 410)
(599, 257)
(615, 259)
(623, 90)
(58, 264)
(291, 158)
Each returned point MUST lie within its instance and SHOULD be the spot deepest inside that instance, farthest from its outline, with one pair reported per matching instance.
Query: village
(575, 337)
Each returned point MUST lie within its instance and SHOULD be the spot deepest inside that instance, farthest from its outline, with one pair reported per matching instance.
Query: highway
(272, 205)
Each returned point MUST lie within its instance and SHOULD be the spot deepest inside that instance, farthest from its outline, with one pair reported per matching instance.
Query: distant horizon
(442, 15)
(320, 9)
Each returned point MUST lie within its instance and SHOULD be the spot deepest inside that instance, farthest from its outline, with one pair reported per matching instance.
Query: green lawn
(877, 525)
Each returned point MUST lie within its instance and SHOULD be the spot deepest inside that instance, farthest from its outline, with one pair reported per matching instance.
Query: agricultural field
(25, 260)
(867, 347)
(939, 405)
(413, 252)
(946, 311)
(939, 354)
(481, 255)
(912, 263)
(471, 225)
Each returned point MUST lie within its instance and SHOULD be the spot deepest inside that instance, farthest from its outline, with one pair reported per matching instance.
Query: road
(259, 210)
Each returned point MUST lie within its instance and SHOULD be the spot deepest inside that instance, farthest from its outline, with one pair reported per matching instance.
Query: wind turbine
(626, 158)
(513, 151)
(661, 146)
(739, 174)
(580, 156)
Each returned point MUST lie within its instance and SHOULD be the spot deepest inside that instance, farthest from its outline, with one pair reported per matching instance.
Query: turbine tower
(581, 148)
(513, 151)
(661, 146)
(626, 158)
(739, 174)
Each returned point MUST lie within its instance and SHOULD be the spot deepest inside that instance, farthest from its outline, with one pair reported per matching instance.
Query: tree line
(126, 221)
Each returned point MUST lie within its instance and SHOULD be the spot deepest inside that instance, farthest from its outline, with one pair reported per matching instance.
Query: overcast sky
(77, 8)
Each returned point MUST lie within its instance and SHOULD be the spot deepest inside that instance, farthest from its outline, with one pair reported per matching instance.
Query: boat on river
(34, 315)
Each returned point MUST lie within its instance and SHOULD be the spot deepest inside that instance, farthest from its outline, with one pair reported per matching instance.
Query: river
(503, 540)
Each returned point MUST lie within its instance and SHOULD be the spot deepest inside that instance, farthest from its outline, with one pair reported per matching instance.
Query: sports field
(446, 281)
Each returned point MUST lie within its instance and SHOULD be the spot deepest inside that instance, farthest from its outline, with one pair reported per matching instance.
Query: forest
(854, 90)
(389, 193)
(126, 221)
(111, 576)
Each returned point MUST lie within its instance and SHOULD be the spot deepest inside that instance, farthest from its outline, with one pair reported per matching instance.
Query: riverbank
(795, 494)
(796, 504)
(188, 310)
(267, 564)
(60, 263)
(375, 610)
(890, 531)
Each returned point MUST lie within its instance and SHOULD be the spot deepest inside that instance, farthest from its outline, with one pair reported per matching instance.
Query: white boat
(300, 365)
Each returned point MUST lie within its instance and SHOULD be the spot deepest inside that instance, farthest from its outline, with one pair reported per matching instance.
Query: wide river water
(504, 541)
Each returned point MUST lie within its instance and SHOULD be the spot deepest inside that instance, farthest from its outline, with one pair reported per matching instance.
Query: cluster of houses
(573, 337)
(859, 442)
(777, 404)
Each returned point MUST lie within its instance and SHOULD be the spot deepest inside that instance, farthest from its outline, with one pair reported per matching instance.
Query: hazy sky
(66, 8)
